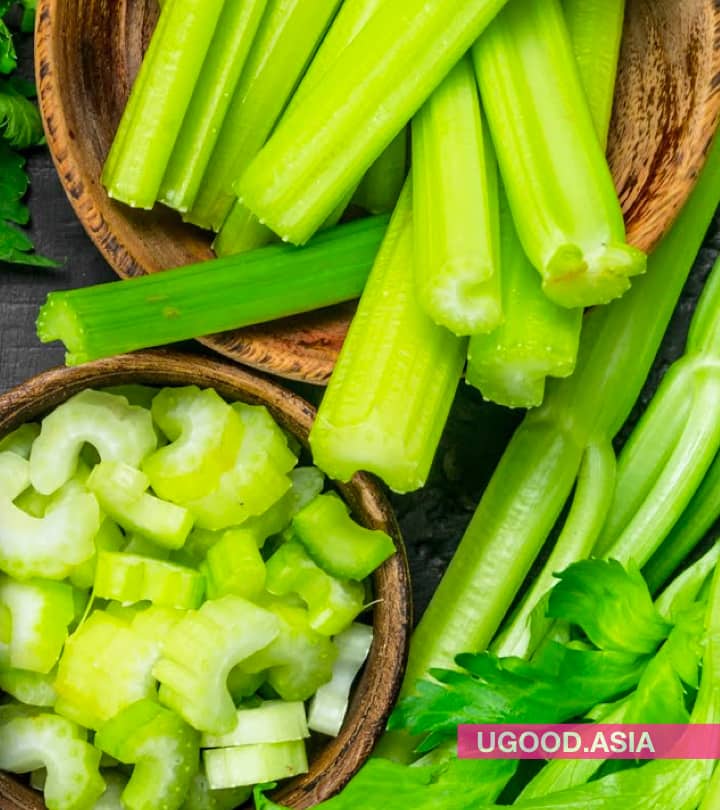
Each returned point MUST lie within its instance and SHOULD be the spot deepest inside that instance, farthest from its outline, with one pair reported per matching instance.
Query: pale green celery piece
(597, 65)
(556, 176)
(254, 764)
(142, 147)
(32, 502)
(270, 722)
(32, 741)
(396, 377)
(118, 431)
(121, 491)
(135, 394)
(137, 544)
(20, 441)
(32, 688)
(115, 783)
(201, 797)
(380, 189)
(455, 208)
(320, 150)
(286, 40)
(235, 566)
(199, 653)
(241, 232)
(51, 546)
(108, 538)
(211, 97)
(685, 589)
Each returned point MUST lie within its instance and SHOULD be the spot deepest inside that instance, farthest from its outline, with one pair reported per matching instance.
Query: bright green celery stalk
(535, 476)
(380, 189)
(558, 182)
(159, 100)
(321, 150)
(211, 97)
(396, 377)
(286, 39)
(242, 230)
(270, 283)
(455, 208)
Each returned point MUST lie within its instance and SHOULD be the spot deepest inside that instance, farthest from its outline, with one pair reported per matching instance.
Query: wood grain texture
(375, 694)
(88, 52)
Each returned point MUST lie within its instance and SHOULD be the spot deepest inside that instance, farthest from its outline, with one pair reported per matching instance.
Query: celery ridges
(322, 149)
(558, 182)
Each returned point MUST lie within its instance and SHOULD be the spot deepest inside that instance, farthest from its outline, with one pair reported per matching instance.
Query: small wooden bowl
(377, 689)
(88, 53)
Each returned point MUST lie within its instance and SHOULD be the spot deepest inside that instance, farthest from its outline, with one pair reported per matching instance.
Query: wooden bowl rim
(341, 757)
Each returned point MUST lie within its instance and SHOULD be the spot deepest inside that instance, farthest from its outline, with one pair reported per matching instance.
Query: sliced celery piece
(159, 100)
(272, 721)
(32, 741)
(122, 493)
(130, 578)
(235, 566)
(115, 783)
(163, 749)
(48, 547)
(380, 189)
(137, 544)
(211, 96)
(396, 377)
(329, 705)
(558, 182)
(242, 685)
(135, 394)
(118, 431)
(321, 150)
(199, 653)
(155, 622)
(108, 538)
(337, 543)
(20, 441)
(241, 232)
(286, 39)
(33, 502)
(33, 688)
(254, 764)
(41, 612)
(196, 547)
(455, 204)
(201, 299)
(201, 797)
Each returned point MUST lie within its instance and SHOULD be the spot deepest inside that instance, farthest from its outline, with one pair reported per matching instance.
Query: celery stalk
(322, 149)
(558, 182)
(200, 299)
(241, 232)
(394, 382)
(455, 207)
(141, 150)
(286, 39)
(218, 78)
(380, 189)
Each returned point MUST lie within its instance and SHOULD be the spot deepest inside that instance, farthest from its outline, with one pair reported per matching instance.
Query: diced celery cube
(254, 764)
(234, 565)
(271, 722)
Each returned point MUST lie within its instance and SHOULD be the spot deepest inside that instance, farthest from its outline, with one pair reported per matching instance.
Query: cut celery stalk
(118, 431)
(254, 764)
(286, 39)
(321, 150)
(455, 208)
(130, 578)
(227, 54)
(394, 382)
(137, 544)
(210, 297)
(32, 688)
(121, 491)
(141, 150)
(108, 538)
(558, 182)
(274, 721)
(380, 189)
(201, 797)
(329, 705)
(20, 441)
(241, 232)
(115, 783)
(235, 566)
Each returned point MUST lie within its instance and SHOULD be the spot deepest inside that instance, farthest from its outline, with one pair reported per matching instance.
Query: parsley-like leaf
(20, 123)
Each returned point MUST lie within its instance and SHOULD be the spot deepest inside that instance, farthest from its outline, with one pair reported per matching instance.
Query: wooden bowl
(88, 53)
(377, 689)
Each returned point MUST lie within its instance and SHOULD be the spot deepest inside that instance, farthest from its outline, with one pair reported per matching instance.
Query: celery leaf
(20, 123)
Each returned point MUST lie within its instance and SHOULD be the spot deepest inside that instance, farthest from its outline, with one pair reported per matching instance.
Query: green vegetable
(20, 441)
(380, 189)
(32, 688)
(201, 797)
(251, 764)
(235, 566)
(273, 721)
(108, 538)
(210, 297)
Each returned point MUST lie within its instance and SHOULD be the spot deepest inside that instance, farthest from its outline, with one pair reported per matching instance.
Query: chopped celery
(32, 741)
(118, 431)
(396, 377)
(380, 189)
(211, 96)
(241, 232)
(455, 204)
(48, 547)
(108, 538)
(321, 149)
(130, 578)
(242, 685)
(199, 653)
(196, 547)
(33, 502)
(286, 39)
(20, 441)
(272, 721)
(33, 688)
(254, 764)
(159, 100)
(41, 612)
(135, 394)
(337, 543)
(163, 749)
(558, 182)
(235, 566)
(114, 785)
(329, 704)
(155, 622)
(201, 797)
(121, 491)
(210, 297)
(332, 603)
(137, 544)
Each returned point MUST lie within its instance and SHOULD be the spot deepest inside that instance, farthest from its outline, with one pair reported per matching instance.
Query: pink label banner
(589, 741)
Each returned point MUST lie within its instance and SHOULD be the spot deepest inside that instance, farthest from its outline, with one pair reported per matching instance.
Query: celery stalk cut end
(57, 320)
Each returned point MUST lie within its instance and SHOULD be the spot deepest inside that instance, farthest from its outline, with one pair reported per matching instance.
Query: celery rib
(210, 297)
(380, 189)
